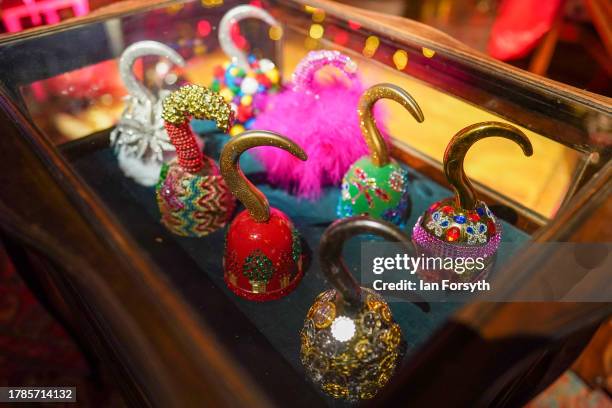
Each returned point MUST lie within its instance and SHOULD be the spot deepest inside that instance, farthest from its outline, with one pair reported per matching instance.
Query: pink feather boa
(325, 124)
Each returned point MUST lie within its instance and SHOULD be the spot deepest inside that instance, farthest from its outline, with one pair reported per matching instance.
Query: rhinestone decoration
(323, 314)
(367, 187)
(431, 244)
(452, 234)
(379, 192)
(397, 180)
(453, 224)
(350, 354)
(463, 226)
(258, 267)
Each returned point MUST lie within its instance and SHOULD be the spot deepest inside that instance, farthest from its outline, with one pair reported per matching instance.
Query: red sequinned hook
(198, 102)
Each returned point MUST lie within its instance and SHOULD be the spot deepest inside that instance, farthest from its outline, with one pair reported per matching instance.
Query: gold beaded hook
(199, 102)
(465, 196)
(367, 122)
(253, 199)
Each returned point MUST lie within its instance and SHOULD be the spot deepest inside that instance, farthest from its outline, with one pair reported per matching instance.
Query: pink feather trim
(325, 125)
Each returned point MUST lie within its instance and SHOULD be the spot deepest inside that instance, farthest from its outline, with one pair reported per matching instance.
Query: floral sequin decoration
(452, 224)
(379, 192)
(367, 186)
(476, 233)
(438, 223)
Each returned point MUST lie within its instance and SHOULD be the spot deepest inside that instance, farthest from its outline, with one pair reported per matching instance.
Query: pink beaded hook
(304, 75)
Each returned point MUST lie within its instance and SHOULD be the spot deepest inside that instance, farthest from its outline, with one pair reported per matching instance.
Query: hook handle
(233, 16)
(332, 243)
(465, 195)
(303, 77)
(141, 49)
(373, 138)
(201, 103)
(253, 199)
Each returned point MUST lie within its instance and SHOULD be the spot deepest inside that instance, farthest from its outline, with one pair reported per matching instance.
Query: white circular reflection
(343, 328)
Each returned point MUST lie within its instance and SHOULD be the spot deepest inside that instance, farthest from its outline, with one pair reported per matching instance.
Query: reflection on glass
(89, 99)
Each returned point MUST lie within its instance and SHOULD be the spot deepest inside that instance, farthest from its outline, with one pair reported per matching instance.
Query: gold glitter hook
(465, 196)
(253, 199)
(375, 141)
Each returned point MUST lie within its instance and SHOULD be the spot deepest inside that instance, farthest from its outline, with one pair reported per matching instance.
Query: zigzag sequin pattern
(196, 206)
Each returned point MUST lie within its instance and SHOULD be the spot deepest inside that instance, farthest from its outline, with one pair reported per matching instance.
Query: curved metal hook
(332, 242)
(233, 16)
(457, 148)
(367, 122)
(253, 199)
(141, 49)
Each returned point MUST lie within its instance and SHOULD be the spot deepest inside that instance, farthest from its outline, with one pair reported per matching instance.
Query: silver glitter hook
(233, 16)
(141, 49)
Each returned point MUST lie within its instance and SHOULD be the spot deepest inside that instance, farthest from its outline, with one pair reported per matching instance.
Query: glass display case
(153, 308)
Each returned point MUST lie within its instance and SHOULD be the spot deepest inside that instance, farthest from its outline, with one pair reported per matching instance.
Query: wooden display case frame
(111, 296)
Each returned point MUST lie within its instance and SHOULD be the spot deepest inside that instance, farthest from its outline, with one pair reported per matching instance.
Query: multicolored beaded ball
(139, 139)
(245, 81)
(192, 196)
(463, 226)
(350, 343)
(263, 257)
(377, 185)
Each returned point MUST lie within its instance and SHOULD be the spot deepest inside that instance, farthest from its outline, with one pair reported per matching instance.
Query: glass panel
(78, 103)
(88, 99)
